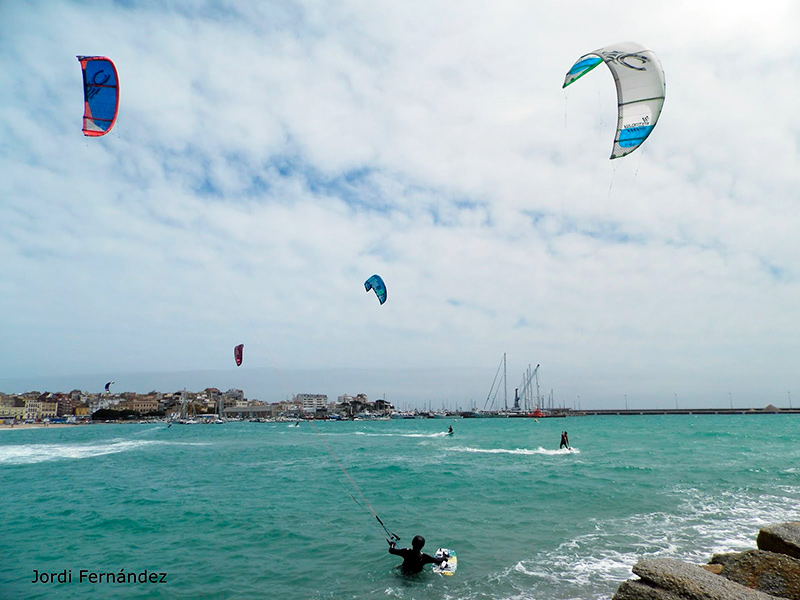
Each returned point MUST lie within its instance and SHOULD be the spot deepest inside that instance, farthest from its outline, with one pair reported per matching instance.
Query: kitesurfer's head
(418, 542)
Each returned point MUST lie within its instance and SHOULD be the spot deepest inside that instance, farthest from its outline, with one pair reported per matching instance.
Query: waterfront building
(250, 412)
(231, 399)
(11, 412)
(98, 404)
(32, 407)
(230, 402)
(6, 400)
(384, 406)
(40, 408)
(66, 404)
(48, 410)
(312, 402)
(144, 404)
(289, 409)
(359, 404)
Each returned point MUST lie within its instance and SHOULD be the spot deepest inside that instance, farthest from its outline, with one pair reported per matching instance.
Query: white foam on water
(26, 454)
(523, 451)
(703, 524)
(438, 434)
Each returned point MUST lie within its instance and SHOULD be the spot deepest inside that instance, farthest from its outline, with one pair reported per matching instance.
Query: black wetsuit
(564, 442)
(414, 560)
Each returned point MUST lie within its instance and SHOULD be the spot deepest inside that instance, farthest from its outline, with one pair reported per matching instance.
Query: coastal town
(208, 405)
(212, 405)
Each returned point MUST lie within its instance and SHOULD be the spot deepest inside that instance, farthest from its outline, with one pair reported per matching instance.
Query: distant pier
(566, 412)
(685, 411)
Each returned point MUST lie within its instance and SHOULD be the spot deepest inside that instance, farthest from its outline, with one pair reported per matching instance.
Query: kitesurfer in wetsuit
(564, 441)
(413, 558)
(450, 430)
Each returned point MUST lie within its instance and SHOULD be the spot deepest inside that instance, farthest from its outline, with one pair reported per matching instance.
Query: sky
(269, 157)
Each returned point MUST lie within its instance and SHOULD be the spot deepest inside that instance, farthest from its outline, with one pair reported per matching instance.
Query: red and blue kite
(100, 95)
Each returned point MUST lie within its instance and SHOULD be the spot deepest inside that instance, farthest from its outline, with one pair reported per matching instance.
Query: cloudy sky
(269, 157)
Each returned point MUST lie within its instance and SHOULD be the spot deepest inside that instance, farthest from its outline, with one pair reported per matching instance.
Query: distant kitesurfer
(413, 558)
(450, 430)
(564, 441)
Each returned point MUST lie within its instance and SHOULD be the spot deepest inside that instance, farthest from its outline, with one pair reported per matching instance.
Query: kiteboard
(449, 567)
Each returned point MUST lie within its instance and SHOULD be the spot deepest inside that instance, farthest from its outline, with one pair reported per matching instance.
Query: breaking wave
(525, 451)
(26, 454)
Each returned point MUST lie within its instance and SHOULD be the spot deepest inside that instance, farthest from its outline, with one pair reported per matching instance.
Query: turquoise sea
(263, 510)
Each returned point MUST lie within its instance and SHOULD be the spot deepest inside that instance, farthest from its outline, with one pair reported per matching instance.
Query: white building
(230, 399)
(311, 402)
(102, 403)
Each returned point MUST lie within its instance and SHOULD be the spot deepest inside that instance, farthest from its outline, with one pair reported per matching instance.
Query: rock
(713, 568)
(783, 538)
(775, 574)
(638, 590)
(724, 559)
(682, 580)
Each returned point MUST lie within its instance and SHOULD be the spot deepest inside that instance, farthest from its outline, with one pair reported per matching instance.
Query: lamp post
(626, 401)
(790, 399)
(676, 401)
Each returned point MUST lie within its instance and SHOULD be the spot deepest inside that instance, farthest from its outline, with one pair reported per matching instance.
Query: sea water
(270, 510)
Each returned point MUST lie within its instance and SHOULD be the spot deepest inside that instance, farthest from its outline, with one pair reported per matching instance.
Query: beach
(40, 425)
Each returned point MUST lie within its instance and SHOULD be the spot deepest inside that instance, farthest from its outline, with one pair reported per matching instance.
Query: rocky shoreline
(770, 572)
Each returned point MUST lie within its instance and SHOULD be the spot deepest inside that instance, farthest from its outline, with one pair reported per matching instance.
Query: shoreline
(581, 413)
(40, 425)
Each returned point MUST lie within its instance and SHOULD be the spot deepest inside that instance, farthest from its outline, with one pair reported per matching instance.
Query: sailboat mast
(528, 390)
(505, 383)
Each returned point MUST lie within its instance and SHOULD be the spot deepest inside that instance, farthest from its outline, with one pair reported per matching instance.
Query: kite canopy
(376, 283)
(640, 90)
(100, 95)
(108, 385)
(237, 354)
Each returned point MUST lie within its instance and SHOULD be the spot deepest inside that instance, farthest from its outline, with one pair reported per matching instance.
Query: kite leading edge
(641, 89)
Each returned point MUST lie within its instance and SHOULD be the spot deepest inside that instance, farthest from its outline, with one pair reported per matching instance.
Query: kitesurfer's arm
(393, 550)
(427, 558)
